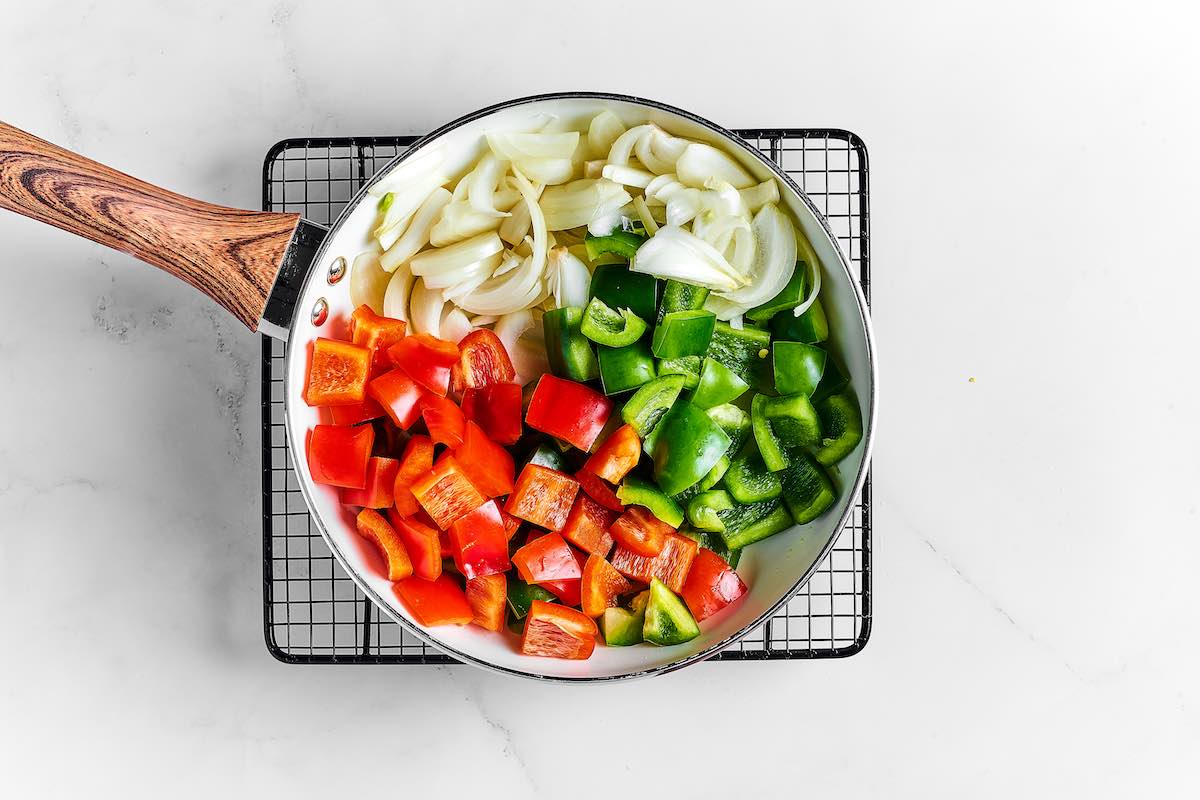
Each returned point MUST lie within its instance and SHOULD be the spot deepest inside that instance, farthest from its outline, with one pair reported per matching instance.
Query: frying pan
(282, 276)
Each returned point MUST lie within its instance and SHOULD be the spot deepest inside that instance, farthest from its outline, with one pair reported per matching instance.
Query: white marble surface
(1033, 170)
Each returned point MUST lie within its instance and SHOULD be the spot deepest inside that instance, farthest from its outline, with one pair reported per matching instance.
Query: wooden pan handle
(231, 255)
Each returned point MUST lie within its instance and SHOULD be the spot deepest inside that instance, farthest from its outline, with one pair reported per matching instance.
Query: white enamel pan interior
(773, 569)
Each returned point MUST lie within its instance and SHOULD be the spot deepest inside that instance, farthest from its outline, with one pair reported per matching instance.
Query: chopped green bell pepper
(683, 333)
(704, 510)
(781, 425)
(680, 296)
(718, 384)
(620, 288)
(622, 627)
(625, 368)
(611, 328)
(811, 327)
(546, 454)
(687, 366)
(621, 243)
(841, 425)
(713, 541)
(688, 445)
(715, 474)
(739, 351)
(735, 422)
(748, 479)
(634, 491)
(668, 620)
(798, 367)
(568, 350)
(788, 298)
(521, 596)
(807, 490)
(646, 408)
(833, 380)
(745, 525)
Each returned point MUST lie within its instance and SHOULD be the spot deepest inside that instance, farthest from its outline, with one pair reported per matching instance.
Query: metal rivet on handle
(320, 311)
(337, 270)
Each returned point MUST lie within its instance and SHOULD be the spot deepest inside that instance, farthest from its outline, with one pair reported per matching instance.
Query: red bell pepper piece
(423, 544)
(640, 531)
(446, 493)
(478, 542)
(436, 602)
(542, 496)
(601, 585)
(556, 631)
(488, 465)
(569, 411)
(338, 456)
(497, 409)
(399, 395)
(374, 527)
(416, 460)
(599, 491)
(444, 420)
(568, 590)
(376, 333)
(711, 585)
(484, 361)
(337, 374)
(670, 566)
(380, 486)
(426, 359)
(368, 409)
(587, 526)
(546, 558)
(511, 524)
(617, 455)
(487, 595)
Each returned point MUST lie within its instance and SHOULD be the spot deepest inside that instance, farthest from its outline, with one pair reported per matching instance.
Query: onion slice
(417, 234)
(774, 259)
(676, 253)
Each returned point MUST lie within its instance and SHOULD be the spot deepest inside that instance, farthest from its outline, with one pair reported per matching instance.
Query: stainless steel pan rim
(869, 423)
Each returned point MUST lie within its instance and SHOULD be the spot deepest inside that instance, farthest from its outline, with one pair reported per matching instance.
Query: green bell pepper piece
(833, 380)
(546, 454)
(622, 627)
(715, 474)
(841, 424)
(735, 422)
(781, 425)
(683, 333)
(704, 510)
(745, 525)
(807, 490)
(687, 366)
(568, 350)
(790, 296)
(646, 408)
(713, 541)
(611, 328)
(668, 620)
(619, 288)
(811, 327)
(688, 445)
(748, 479)
(798, 367)
(621, 243)
(625, 368)
(634, 491)
(680, 296)
(739, 351)
(718, 384)
(521, 596)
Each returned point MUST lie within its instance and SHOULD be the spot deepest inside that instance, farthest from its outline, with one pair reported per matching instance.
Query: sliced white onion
(676, 253)
(724, 200)
(629, 176)
(521, 146)
(594, 169)
(480, 320)
(547, 171)
(515, 291)
(368, 281)
(455, 326)
(537, 221)
(406, 199)
(774, 260)
(445, 259)
(732, 236)
(643, 213)
(622, 146)
(602, 132)
(661, 187)
(482, 182)
(568, 278)
(579, 202)
(760, 194)
(807, 255)
(603, 226)
(659, 151)
(425, 309)
(516, 226)
(455, 293)
(506, 197)
(481, 269)
(701, 162)
(417, 234)
(683, 206)
(414, 169)
(459, 221)
(395, 299)
(510, 262)
(511, 327)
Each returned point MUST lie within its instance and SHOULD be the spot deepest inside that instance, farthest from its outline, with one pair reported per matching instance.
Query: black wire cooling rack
(314, 614)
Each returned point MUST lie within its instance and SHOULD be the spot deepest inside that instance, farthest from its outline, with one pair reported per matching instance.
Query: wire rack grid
(312, 611)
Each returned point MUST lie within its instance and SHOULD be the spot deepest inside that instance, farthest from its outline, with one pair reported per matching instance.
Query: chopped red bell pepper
(484, 361)
(380, 486)
(496, 409)
(599, 491)
(617, 455)
(587, 526)
(374, 527)
(568, 589)
(511, 524)
(338, 456)
(556, 631)
(376, 333)
(368, 409)
(488, 465)
(601, 585)
(423, 544)
(711, 585)
(444, 420)
(569, 411)
(487, 595)
(546, 558)
(437, 602)
(478, 542)
(446, 493)
(416, 460)
(399, 395)
(670, 566)
(542, 496)
(337, 374)
(640, 531)
(426, 359)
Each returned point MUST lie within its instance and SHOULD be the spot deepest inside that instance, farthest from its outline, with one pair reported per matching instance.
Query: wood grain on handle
(231, 255)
